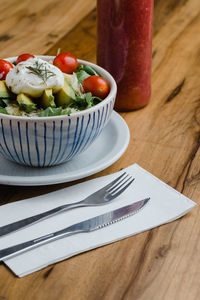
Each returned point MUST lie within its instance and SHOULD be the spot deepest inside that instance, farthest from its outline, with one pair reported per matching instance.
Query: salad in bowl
(31, 86)
(52, 108)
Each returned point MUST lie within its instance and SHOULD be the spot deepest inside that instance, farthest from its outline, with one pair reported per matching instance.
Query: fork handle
(31, 220)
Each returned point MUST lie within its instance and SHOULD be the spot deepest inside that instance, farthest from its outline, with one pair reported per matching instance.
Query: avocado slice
(26, 103)
(65, 96)
(47, 99)
(4, 91)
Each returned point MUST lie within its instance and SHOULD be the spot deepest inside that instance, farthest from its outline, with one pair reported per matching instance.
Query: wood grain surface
(163, 263)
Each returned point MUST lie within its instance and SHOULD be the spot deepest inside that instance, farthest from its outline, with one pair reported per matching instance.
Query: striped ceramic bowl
(48, 141)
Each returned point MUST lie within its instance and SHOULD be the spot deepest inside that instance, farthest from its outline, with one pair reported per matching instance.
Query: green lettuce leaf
(86, 101)
(82, 75)
(3, 111)
(88, 70)
(54, 111)
(84, 72)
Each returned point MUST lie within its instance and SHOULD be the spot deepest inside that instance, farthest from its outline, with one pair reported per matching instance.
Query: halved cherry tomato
(66, 62)
(96, 85)
(24, 57)
(5, 67)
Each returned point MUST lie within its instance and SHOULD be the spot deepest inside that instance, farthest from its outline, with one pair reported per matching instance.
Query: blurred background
(43, 26)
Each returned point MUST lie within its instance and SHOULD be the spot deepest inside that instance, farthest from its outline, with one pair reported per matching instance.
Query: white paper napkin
(166, 205)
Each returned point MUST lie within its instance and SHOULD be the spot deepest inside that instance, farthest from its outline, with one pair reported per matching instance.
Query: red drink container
(124, 48)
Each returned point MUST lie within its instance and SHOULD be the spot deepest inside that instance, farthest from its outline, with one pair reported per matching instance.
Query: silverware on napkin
(85, 226)
(102, 196)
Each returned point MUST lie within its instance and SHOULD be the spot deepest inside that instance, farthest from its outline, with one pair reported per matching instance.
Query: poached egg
(33, 76)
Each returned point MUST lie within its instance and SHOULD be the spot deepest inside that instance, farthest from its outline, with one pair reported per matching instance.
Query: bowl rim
(102, 71)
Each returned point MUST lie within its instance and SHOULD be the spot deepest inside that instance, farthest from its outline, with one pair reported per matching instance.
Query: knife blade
(85, 226)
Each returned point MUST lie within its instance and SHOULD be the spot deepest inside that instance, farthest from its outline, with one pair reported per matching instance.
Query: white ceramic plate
(107, 148)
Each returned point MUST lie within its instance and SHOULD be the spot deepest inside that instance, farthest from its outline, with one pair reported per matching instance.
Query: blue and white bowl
(48, 141)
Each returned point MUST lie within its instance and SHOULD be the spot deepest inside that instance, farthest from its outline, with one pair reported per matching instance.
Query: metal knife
(85, 226)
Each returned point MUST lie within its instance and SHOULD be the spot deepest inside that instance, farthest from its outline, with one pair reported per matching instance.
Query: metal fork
(102, 196)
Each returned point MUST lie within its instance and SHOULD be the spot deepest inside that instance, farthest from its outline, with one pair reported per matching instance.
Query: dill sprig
(41, 71)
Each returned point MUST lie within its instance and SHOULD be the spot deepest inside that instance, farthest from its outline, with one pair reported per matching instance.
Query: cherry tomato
(5, 67)
(96, 85)
(66, 62)
(24, 57)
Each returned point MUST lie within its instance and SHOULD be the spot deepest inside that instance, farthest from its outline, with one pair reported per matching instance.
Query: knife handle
(28, 221)
(23, 247)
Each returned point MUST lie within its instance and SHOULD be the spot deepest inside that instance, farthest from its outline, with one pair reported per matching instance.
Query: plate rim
(55, 179)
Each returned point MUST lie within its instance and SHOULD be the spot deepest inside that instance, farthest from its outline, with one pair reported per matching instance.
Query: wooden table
(163, 263)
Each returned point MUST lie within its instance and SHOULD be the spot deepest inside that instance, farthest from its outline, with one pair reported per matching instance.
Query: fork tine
(119, 184)
(113, 182)
(112, 196)
(116, 184)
